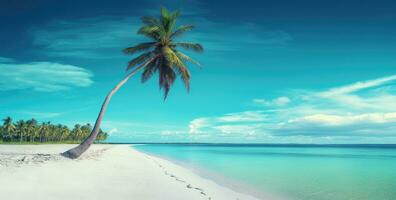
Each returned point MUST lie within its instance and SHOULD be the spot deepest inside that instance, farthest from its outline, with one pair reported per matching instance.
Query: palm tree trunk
(80, 149)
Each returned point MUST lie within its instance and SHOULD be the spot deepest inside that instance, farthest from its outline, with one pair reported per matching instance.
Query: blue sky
(273, 71)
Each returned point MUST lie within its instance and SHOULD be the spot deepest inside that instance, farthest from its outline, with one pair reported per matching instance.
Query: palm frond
(178, 65)
(140, 47)
(171, 57)
(172, 21)
(186, 58)
(179, 31)
(176, 14)
(140, 59)
(150, 21)
(184, 74)
(168, 20)
(150, 69)
(166, 78)
(164, 13)
(190, 46)
(152, 32)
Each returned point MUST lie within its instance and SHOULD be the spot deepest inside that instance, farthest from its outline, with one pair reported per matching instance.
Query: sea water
(295, 172)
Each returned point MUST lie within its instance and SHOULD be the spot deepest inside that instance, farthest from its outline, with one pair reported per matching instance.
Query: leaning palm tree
(160, 55)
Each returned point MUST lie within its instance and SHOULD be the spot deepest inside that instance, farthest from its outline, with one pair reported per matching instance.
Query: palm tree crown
(8, 126)
(161, 54)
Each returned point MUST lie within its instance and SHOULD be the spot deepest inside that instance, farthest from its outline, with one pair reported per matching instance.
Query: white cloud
(196, 125)
(112, 131)
(365, 109)
(280, 101)
(357, 86)
(42, 76)
(243, 130)
(247, 116)
(340, 120)
(142, 131)
(228, 123)
(354, 109)
(367, 96)
(42, 115)
(172, 132)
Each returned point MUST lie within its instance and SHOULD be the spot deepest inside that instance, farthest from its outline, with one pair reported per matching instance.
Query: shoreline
(218, 178)
(104, 172)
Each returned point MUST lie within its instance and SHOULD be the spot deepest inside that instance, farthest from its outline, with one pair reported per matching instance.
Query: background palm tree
(161, 55)
(9, 128)
(21, 129)
(31, 129)
(77, 131)
(64, 133)
(43, 129)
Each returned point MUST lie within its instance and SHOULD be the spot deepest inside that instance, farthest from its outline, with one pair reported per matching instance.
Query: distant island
(31, 131)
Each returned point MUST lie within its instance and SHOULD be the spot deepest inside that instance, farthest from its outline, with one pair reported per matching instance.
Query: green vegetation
(161, 54)
(32, 132)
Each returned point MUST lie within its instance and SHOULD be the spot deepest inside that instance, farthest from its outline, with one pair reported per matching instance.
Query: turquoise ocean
(292, 172)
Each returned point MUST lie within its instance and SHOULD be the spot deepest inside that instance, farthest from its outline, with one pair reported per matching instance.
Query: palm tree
(102, 135)
(8, 127)
(86, 129)
(48, 131)
(42, 131)
(21, 128)
(64, 133)
(160, 55)
(31, 129)
(1, 134)
(77, 132)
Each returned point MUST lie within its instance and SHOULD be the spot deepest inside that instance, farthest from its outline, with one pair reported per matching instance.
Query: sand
(105, 172)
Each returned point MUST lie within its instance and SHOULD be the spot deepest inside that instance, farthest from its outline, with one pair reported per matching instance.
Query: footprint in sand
(177, 179)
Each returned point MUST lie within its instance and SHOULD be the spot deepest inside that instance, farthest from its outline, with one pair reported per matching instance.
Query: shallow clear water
(296, 172)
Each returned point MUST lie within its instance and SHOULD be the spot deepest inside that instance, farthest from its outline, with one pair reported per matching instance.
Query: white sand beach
(105, 172)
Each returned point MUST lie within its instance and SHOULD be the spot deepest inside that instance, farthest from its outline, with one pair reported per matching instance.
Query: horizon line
(393, 145)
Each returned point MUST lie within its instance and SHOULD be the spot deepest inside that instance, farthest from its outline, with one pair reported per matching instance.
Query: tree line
(45, 132)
